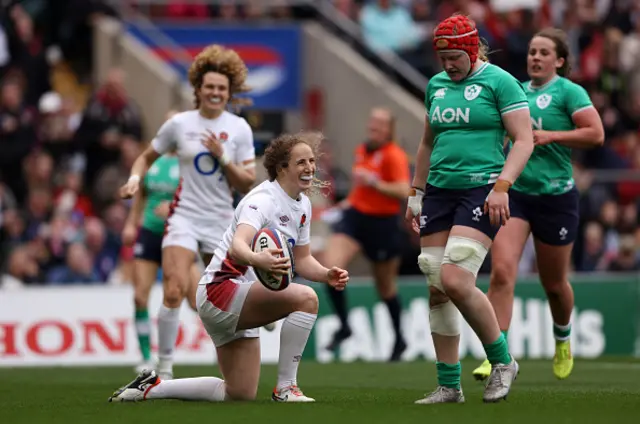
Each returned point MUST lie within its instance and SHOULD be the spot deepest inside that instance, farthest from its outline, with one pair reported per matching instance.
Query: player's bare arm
(134, 218)
(518, 126)
(138, 170)
(416, 191)
(422, 157)
(310, 269)
(589, 132)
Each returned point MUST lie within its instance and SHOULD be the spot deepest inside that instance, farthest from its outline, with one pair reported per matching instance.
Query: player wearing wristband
(544, 199)
(143, 230)
(216, 155)
(232, 306)
(465, 199)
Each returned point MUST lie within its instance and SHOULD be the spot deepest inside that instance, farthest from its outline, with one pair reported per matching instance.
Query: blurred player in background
(544, 199)
(216, 155)
(144, 229)
(465, 199)
(371, 221)
(232, 307)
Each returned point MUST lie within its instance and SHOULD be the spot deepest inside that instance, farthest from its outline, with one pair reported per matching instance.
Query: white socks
(210, 389)
(293, 338)
(168, 324)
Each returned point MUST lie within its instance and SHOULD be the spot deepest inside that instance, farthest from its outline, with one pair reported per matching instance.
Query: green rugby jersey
(552, 106)
(160, 184)
(466, 120)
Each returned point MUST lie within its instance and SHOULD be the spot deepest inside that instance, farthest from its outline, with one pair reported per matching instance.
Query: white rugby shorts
(219, 306)
(197, 236)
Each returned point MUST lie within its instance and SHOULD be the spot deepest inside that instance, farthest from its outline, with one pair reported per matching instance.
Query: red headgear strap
(458, 32)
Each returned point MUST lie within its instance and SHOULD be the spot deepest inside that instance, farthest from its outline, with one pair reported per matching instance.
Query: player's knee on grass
(240, 392)
(307, 300)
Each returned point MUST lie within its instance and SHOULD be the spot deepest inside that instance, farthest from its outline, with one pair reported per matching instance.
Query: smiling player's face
(300, 169)
(214, 92)
(455, 63)
(542, 60)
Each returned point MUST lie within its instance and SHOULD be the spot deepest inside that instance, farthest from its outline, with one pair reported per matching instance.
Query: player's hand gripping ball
(279, 273)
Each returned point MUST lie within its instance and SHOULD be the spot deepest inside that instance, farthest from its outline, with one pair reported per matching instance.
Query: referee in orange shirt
(371, 221)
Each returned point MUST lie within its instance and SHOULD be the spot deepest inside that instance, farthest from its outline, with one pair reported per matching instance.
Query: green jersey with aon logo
(160, 184)
(552, 106)
(466, 120)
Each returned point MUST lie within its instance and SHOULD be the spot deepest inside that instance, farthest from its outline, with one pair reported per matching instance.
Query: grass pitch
(597, 392)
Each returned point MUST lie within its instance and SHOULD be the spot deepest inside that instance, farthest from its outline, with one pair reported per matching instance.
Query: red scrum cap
(457, 32)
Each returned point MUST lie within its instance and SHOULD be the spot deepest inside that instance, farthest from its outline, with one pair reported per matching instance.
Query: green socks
(449, 375)
(562, 333)
(143, 330)
(498, 351)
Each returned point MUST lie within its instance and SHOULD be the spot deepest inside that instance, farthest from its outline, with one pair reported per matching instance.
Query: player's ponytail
(483, 50)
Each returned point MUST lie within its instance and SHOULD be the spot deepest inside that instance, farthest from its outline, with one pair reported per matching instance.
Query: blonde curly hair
(216, 58)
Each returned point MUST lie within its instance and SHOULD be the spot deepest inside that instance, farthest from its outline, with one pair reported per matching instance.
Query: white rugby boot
(137, 390)
(500, 381)
(442, 395)
(290, 394)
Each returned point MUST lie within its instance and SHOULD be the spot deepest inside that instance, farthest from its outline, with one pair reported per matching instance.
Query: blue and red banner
(272, 55)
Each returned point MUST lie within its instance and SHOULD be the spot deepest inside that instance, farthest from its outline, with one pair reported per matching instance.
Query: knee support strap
(429, 262)
(444, 319)
(465, 253)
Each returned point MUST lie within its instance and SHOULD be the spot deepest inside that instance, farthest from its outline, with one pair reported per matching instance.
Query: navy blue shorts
(378, 236)
(554, 219)
(443, 208)
(148, 246)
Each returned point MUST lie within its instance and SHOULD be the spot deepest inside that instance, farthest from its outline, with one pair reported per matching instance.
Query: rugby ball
(272, 238)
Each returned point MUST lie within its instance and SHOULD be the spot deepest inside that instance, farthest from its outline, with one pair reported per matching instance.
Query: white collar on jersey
(532, 87)
(284, 193)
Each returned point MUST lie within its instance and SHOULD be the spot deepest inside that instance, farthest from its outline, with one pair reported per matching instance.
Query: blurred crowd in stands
(62, 157)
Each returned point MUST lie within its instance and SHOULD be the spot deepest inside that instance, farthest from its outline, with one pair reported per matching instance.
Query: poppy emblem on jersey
(442, 43)
(472, 91)
(303, 219)
(224, 136)
(543, 101)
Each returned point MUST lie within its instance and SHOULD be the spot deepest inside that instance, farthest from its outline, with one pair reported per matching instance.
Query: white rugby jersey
(204, 193)
(267, 205)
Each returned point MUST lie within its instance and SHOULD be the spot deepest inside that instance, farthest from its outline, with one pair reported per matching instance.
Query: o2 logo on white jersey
(205, 163)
